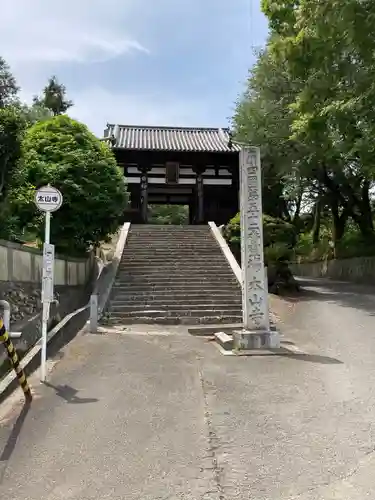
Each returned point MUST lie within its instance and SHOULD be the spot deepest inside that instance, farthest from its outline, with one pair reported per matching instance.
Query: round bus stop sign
(48, 199)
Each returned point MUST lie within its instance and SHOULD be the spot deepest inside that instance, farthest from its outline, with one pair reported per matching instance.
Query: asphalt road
(166, 416)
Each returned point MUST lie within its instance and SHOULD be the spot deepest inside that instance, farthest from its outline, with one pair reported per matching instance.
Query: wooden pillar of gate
(199, 170)
(144, 195)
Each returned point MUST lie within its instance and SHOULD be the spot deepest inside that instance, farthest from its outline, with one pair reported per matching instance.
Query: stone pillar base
(244, 340)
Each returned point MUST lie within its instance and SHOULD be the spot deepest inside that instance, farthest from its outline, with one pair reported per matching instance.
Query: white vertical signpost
(256, 331)
(48, 199)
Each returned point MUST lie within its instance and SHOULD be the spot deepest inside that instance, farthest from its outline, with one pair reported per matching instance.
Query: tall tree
(263, 118)
(8, 85)
(54, 97)
(66, 154)
(327, 49)
(12, 127)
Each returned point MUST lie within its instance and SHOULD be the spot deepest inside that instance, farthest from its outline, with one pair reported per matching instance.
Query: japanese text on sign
(48, 199)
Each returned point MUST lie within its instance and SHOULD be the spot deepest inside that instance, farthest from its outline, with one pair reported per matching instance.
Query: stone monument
(256, 332)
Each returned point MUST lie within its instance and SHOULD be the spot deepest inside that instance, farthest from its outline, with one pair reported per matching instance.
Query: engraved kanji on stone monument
(254, 300)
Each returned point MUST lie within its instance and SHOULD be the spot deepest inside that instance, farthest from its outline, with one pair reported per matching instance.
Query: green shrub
(64, 153)
(352, 244)
(279, 238)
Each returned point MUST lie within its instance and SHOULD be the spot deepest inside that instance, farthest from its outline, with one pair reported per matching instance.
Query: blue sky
(146, 62)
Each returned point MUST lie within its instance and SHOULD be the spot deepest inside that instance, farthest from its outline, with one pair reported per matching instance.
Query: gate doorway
(169, 214)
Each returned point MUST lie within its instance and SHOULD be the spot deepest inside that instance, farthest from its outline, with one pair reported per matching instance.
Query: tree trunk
(358, 207)
(317, 221)
(367, 224)
(338, 225)
(298, 208)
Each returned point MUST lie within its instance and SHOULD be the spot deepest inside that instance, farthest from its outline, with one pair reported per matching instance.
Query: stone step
(142, 228)
(130, 293)
(175, 275)
(175, 271)
(181, 248)
(202, 285)
(169, 230)
(160, 285)
(216, 257)
(179, 312)
(176, 289)
(185, 235)
(173, 264)
(172, 303)
(170, 227)
(172, 249)
(175, 244)
(177, 296)
(167, 234)
(172, 253)
(172, 275)
(149, 263)
(173, 241)
(172, 236)
(174, 320)
(139, 254)
(183, 284)
(170, 256)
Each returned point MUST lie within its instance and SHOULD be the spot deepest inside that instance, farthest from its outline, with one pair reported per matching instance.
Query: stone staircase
(174, 275)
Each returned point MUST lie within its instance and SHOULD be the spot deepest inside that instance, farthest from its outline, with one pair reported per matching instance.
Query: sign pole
(47, 228)
(46, 304)
(48, 199)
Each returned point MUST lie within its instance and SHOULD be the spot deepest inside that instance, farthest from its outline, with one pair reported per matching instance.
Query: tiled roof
(211, 140)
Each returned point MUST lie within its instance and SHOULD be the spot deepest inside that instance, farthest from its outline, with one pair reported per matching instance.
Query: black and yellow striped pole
(14, 361)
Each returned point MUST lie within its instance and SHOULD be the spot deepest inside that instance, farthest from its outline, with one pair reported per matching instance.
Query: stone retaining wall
(21, 264)
(358, 269)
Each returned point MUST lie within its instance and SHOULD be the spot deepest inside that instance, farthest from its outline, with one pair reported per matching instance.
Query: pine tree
(54, 97)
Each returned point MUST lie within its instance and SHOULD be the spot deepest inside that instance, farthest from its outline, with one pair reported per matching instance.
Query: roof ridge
(165, 138)
(166, 127)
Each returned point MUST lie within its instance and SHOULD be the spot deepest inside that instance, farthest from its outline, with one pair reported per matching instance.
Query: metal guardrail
(6, 319)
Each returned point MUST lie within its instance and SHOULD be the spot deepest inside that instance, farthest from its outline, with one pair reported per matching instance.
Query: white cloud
(71, 31)
(96, 107)
(39, 38)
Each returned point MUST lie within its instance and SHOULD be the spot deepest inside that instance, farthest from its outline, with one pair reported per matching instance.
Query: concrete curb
(226, 251)
(283, 351)
(210, 330)
(113, 267)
